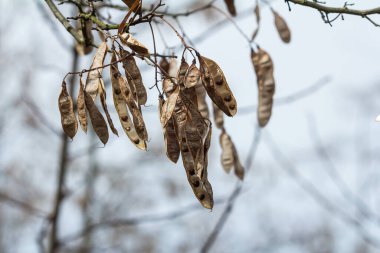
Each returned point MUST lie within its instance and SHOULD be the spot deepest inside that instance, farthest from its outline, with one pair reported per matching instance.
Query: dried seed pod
(218, 116)
(182, 72)
(66, 108)
(171, 143)
(93, 77)
(121, 107)
(128, 40)
(238, 168)
(231, 7)
(263, 66)
(192, 76)
(194, 141)
(133, 74)
(97, 119)
(82, 115)
(195, 115)
(103, 96)
(173, 69)
(216, 86)
(164, 65)
(138, 120)
(227, 157)
(282, 27)
(168, 107)
(201, 98)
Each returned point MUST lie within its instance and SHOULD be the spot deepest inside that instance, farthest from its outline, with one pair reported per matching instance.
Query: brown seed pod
(182, 72)
(66, 108)
(171, 143)
(133, 74)
(201, 98)
(227, 157)
(192, 77)
(82, 115)
(121, 107)
(263, 66)
(218, 116)
(103, 96)
(282, 27)
(216, 86)
(93, 77)
(138, 120)
(97, 119)
(128, 40)
(238, 168)
(164, 64)
(168, 107)
(195, 115)
(231, 7)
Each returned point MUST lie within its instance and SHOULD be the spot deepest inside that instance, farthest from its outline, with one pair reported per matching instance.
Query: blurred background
(312, 180)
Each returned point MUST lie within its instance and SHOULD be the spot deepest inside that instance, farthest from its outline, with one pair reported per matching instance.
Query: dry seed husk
(227, 156)
(93, 77)
(164, 65)
(231, 7)
(82, 115)
(238, 167)
(133, 74)
(201, 99)
(97, 119)
(192, 76)
(195, 115)
(128, 40)
(282, 27)
(66, 108)
(182, 72)
(173, 69)
(168, 107)
(216, 86)
(138, 120)
(218, 116)
(103, 100)
(263, 66)
(121, 108)
(171, 143)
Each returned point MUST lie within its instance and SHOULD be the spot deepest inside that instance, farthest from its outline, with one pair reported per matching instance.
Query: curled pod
(103, 97)
(182, 72)
(282, 27)
(218, 117)
(227, 157)
(82, 115)
(134, 77)
(128, 40)
(97, 119)
(93, 77)
(238, 167)
(66, 109)
(216, 86)
(164, 65)
(192, 77)
(231, 7)
(263, 66)
(121, 107)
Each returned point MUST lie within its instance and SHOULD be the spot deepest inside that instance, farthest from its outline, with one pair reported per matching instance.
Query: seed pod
(182, 72)
(138, 120)
(201, 98)
(227, 157)
(282, 28)
(97, 120)
(194, 141)
(133, 74)
(168, 107)
(82, 115)
(216, 86)
(231, 7)
(192, 76)
(263, 66)
(121, 108)
(164, 64)
(218, 117)
(195, 115)
(102, 95)
(238, 168)
(93, 77)
(171, 143)
(66, 108)
(128, 40)
(173, 68)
